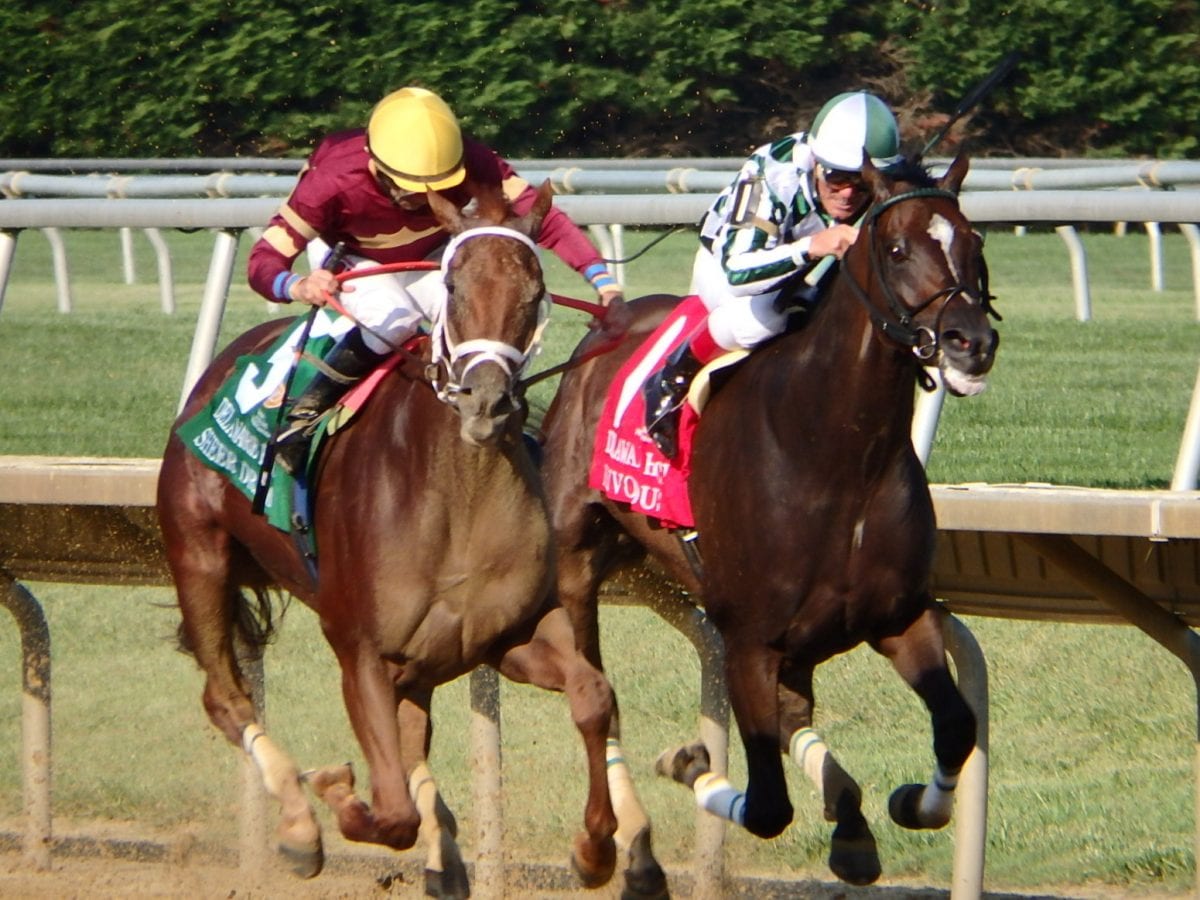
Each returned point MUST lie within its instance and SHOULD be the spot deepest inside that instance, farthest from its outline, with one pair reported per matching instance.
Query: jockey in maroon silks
(366, 190)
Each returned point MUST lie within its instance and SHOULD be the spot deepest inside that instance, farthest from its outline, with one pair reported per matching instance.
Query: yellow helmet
(414, 138)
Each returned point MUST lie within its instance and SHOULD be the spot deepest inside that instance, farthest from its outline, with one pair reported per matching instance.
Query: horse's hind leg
(210, 607)
(919, 655)
(853, 854)
(549, 660)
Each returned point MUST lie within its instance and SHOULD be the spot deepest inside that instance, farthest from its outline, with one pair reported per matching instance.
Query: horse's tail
(253, 623)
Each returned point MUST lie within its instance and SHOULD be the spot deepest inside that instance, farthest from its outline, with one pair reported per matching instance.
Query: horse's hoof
(323, 779)
(904, 806)
(305, 862)
(644, 879)
(683, 764)
(447, 885)
(594, 867)
(853, 856)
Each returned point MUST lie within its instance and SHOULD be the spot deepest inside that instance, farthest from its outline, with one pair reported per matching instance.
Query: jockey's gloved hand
(315, 288)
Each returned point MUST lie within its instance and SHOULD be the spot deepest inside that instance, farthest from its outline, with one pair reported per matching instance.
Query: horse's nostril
(956, 341)
(961, 342)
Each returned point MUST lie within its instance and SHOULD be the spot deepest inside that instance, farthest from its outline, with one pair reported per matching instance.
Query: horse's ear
(541, 206)
(531, 222)
(492, 205)
(875, 180)
(447, 214)
(954, 176)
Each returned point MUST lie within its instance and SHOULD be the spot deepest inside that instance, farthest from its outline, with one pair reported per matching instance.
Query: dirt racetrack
(106, 860)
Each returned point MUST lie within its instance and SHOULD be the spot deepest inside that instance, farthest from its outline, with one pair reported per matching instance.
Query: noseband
(453, 359)
(900, 326)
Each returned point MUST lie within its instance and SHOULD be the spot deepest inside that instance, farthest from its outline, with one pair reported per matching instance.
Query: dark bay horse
(814, 516)
(435, 557)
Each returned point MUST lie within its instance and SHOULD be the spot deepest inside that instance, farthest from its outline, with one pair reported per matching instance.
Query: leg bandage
(250, 734)
(276, 769)
(631, 818)
(808, 751)
(620, 783)
(715, 794)
(938, 796)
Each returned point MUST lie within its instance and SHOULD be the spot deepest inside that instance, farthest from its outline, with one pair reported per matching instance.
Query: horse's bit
(448, 353)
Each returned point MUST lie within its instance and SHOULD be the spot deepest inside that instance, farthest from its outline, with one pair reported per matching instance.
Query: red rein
(594, 309)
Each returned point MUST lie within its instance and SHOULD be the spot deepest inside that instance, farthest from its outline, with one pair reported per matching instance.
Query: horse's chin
(482, 431)
(961, 384)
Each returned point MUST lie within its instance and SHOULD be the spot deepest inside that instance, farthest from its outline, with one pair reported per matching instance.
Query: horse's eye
(897, 252)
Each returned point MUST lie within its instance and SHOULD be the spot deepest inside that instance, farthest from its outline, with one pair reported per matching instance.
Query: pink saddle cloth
(626, 464)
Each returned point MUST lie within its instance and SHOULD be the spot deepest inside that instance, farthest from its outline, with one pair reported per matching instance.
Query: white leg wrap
(808, 751)
(423, 790)
(715, 794)
(276, 769)
(250, 734)
(631, 818)
(938, 797)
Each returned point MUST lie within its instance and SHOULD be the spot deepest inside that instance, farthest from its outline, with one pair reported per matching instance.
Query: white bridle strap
(508, 357)
(484, 230)
(484, 350)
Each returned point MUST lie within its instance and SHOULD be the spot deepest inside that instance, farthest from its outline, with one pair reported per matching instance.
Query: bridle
(900, 324)
(452, 359)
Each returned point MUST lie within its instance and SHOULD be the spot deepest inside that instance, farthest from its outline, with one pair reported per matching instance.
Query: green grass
(1092, 729)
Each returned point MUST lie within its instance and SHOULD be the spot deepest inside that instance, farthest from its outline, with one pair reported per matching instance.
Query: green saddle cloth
(231, 433)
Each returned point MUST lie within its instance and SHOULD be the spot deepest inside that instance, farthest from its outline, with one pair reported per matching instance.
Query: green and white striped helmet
(850, 123)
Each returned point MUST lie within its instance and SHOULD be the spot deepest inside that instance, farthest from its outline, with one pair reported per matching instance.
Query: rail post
(35, 719)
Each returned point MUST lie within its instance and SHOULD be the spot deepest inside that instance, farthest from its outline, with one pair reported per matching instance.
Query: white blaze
(942, 231)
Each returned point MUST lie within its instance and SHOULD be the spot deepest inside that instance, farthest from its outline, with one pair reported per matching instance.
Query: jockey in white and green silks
(792, 203)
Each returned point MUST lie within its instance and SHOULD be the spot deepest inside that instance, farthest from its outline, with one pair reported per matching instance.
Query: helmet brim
(419, 184)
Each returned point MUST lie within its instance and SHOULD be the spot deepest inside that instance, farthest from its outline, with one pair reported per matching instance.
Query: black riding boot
(664, 393)
(350, 359)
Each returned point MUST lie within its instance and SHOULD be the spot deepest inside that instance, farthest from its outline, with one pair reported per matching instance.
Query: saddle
(231, 433)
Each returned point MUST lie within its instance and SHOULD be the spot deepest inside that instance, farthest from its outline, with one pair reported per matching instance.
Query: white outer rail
(228, 217)
(229, 178)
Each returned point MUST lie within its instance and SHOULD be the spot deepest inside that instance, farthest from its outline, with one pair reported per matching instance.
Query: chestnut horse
(435, 557)
(814, 516)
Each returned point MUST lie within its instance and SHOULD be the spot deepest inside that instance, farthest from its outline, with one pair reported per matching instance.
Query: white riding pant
(734, 320)
(389, 306)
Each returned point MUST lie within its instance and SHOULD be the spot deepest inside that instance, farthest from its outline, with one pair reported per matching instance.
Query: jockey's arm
(566, 240)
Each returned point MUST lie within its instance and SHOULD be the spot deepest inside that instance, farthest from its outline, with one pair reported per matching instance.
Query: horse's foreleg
(550, 660)
(919, 656)
(752, 673)
(371, 703)
(763, 808)
(644, 877)
(445, 872)
(853, 854)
